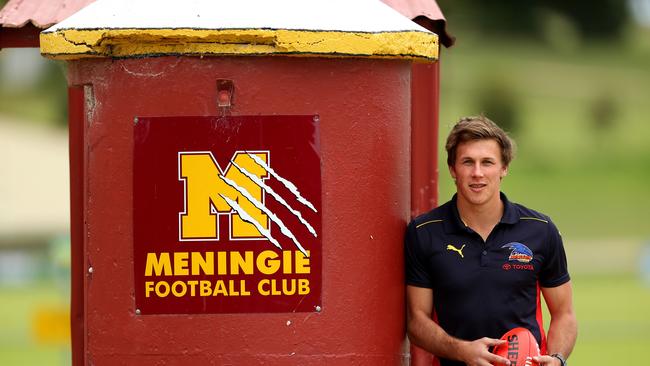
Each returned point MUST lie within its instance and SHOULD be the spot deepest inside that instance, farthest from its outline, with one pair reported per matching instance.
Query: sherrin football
(521, 345)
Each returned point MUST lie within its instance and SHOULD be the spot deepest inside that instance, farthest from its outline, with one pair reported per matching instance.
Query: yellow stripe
(75, 44)
(533, 218)
(427, 222)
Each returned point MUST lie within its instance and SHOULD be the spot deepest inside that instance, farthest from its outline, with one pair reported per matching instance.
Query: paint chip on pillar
(237, 227)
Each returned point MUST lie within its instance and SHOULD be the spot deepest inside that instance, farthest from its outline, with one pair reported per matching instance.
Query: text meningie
(227, 263)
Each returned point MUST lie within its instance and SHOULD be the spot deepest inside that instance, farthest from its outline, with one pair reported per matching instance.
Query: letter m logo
(206, 185)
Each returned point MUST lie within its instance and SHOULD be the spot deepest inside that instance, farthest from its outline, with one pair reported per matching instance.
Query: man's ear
(504, 172)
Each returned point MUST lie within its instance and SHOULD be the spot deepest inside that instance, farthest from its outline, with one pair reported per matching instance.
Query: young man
(476, 265)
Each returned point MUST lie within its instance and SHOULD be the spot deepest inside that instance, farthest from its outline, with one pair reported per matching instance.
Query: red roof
(41, 13)
(427, 14)
(414, 8)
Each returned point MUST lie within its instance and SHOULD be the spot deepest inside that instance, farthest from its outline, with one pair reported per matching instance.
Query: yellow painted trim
(75, 44)
(533, 218)
(427, 222)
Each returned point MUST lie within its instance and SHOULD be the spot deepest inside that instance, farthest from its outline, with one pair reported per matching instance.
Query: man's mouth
(477, 186)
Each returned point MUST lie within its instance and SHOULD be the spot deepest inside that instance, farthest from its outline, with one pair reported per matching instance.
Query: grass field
(614, 326)
(20, 342)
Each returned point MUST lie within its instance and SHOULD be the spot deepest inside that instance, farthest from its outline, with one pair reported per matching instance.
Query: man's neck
(481, 218)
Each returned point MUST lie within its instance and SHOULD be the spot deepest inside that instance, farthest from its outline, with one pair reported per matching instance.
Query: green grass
(587, 204)
(18, 343)
(612, 310)
(35, 106)
(613, 319)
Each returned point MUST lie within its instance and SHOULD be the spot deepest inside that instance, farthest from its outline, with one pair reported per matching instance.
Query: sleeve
(555, 270)
(415, 268)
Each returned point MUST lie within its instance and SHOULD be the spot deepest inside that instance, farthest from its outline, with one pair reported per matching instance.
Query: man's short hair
(479, 128)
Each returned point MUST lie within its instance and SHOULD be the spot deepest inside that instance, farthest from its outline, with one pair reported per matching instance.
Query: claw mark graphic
(268, 212)
(290, 186)
(248, 218)
(277, 197)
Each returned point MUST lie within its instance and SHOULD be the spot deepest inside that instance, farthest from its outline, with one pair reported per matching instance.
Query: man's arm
(563, 330)
(424, 332)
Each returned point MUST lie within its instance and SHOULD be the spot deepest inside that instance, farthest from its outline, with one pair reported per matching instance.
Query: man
(478, 263)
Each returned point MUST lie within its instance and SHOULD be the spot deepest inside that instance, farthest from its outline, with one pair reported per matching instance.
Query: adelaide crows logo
(519, 252)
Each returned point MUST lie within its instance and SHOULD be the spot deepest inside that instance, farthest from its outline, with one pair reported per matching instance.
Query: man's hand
(476, 353)
(547, 361)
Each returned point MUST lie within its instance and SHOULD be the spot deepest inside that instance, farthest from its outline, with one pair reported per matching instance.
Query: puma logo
(460, 251)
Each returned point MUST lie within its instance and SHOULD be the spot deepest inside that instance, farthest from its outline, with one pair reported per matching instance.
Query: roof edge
(124, 43)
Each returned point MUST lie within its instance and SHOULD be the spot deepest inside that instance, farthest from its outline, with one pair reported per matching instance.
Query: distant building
(33, 197)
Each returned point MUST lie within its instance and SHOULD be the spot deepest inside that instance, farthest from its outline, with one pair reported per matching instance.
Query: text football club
(227, 214)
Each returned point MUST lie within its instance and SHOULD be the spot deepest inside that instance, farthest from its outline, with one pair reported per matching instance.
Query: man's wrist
(458, 350)
(559, 357)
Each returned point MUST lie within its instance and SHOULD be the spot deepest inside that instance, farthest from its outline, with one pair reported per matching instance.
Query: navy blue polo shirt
(485, 288)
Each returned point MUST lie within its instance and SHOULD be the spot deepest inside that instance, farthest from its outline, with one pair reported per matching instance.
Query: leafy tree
(595, 19)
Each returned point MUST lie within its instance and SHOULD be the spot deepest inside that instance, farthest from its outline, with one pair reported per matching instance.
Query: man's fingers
(543, 360)
(497, 360)
(491, 342)
(491, 357)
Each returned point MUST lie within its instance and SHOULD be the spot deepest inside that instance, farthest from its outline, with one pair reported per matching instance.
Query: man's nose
(477, 171)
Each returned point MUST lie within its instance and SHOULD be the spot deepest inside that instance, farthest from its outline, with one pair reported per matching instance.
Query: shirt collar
(455, 224)
(510, 215)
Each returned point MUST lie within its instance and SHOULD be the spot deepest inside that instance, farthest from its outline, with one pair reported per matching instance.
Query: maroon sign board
(227, 214)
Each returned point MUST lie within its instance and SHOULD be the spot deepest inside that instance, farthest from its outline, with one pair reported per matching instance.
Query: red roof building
(22, 20)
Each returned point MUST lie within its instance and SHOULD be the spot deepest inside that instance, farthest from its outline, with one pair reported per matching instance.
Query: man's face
(478, 170)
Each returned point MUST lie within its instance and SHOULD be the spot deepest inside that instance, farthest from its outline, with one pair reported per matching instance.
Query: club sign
(227, 214)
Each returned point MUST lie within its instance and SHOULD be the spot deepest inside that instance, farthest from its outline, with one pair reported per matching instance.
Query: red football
(521, 344)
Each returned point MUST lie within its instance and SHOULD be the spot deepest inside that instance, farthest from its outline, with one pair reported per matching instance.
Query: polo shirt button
(485, 252)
